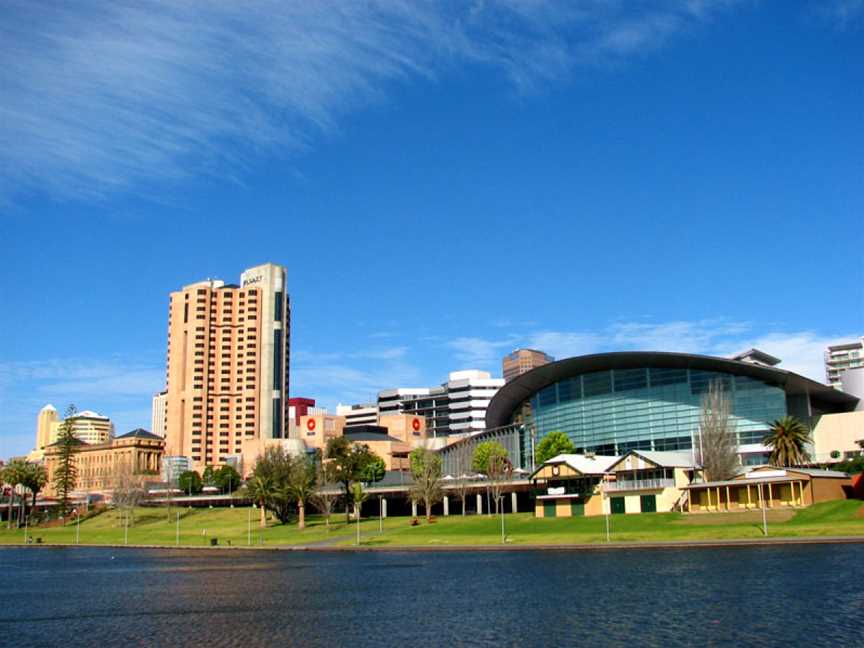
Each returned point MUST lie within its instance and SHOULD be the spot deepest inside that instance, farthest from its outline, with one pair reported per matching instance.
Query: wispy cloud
(801, 351)
(845, 13)
(120, 388)
(476, 352)
(353, 377)
(101, 96)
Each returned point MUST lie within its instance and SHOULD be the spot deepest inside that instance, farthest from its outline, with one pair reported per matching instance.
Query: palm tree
(359, 496)
(301, 485)
(788, 439)
(260, 490)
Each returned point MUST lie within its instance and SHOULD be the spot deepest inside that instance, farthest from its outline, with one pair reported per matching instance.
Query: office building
(157, 416)
(522, 361)
(456, 407)
(355, 415)
(840, 357)
(228, 365)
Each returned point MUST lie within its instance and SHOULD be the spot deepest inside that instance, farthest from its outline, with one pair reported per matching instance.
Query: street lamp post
(607, 507)
(764, 515)
(249, 526)
(77, 527)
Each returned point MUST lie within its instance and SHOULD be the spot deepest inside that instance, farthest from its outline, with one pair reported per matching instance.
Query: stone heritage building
(138, 453)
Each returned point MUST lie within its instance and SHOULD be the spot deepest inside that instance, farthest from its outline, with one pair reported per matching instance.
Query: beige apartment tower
(227, 366)
(522, 361)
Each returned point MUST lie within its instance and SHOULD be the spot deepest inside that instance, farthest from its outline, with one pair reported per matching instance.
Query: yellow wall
(837, 432)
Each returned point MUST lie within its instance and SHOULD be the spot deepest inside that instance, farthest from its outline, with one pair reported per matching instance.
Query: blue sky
(444, 181)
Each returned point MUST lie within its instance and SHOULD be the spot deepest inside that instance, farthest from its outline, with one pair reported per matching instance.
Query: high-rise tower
(228, 365)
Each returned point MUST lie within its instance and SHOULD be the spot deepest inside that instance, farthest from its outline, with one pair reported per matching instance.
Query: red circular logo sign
(415, 424)
(310, 424)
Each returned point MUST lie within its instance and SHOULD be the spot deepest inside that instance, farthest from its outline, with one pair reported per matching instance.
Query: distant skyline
(444, 182)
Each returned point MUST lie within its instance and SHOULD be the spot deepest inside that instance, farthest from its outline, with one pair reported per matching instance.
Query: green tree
(34, 479)
(66, 474)
(552, 445)
(346, 464)
(484, 452)
(190, 482)
(227, 479)
(13, 475)
(275, 466)
(358, 496)
(208, 478)
(426, 472)
(301, 484)
(852, 465)
(374, 471)
(260, 489)
(788, 438)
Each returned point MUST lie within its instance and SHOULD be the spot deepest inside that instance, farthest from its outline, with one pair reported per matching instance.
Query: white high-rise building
(456, 407)
(157, 416)
(366, 414)
(840, 357)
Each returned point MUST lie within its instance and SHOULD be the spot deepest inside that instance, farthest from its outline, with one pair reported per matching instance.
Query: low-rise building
(771, 487)
(641, 481)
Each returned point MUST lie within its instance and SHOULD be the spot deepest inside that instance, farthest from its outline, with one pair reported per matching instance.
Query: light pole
(764, 515)
(126, 528)
(77, 527)
(249, 526)
(177, 530)
(607, 507)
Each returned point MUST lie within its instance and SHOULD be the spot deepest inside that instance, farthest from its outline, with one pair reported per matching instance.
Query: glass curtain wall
(612, 412)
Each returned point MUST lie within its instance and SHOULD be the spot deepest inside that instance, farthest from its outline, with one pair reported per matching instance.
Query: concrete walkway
(327, 545)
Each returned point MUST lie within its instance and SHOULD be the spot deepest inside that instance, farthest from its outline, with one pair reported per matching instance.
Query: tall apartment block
(228, 365)
(840, 357)
(522, 361)
(456, 407)
(157, 414)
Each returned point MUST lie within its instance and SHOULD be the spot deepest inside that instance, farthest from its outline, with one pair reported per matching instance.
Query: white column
(446, 505)
(383, 507)
(513, 506)
(479, 504)
(413, 508)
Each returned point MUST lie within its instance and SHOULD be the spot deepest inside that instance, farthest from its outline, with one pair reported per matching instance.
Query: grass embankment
(197, 526)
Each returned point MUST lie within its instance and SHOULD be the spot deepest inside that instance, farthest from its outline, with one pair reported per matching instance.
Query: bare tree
(127, 490)
(500, 470)
(426, 471)
(462, 454)
(324, 497)
(717, 445)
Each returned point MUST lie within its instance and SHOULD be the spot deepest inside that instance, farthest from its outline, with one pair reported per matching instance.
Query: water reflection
(757, 596)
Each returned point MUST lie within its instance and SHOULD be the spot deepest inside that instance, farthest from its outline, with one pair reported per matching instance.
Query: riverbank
(839, 521)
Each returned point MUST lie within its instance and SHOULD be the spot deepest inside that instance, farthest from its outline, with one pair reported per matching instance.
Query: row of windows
(656, 408)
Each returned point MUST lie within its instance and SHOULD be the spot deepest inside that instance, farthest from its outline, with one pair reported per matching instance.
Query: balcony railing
(638, 484)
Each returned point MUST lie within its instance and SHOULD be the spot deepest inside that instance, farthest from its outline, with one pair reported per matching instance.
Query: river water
(755, 596)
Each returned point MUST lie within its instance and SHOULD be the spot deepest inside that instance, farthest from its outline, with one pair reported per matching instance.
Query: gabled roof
(813, 472)
(662, 459)
(584, 464)
(140, 433)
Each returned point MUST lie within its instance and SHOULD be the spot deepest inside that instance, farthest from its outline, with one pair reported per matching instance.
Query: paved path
(328, 544)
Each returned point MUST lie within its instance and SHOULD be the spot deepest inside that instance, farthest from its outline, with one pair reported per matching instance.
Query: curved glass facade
(611, 412)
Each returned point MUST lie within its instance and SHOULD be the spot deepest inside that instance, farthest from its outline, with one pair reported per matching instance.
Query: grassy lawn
(197, 526)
